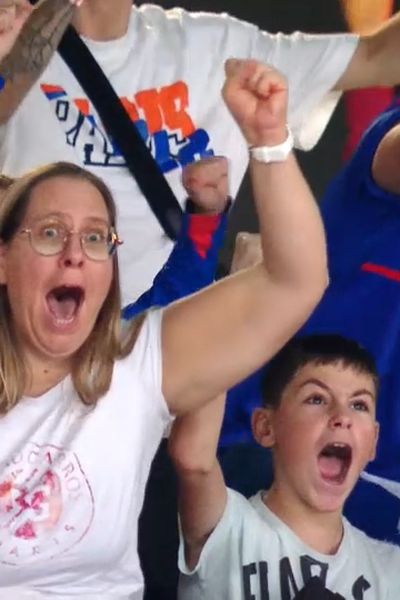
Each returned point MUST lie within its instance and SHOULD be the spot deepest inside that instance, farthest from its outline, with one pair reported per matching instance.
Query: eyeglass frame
(115, 242)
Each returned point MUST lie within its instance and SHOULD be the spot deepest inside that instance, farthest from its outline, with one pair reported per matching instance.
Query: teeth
(61, 322)
(337, 449)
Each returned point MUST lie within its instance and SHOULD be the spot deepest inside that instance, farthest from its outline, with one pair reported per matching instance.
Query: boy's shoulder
(249, 508)
(250, 519)
(252, 508)
(381, 553)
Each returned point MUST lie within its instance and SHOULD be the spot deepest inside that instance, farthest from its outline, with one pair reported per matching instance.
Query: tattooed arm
(28, 40)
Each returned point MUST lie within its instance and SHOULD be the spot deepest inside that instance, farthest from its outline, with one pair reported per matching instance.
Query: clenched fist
(257, 95)
(206, 183)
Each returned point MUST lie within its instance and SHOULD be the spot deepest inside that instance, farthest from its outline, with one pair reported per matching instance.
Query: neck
(322, 531)
(103, 20)
(44, 374)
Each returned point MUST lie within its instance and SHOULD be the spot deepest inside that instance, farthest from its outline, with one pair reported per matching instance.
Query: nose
(72, 254)
(340, 418)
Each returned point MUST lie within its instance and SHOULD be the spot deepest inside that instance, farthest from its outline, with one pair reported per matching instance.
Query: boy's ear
(262, 427)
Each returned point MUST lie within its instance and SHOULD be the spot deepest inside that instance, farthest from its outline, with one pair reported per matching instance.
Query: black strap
(122, 130)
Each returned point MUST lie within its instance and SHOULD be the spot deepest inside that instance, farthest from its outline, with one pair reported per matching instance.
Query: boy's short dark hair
(321, 349)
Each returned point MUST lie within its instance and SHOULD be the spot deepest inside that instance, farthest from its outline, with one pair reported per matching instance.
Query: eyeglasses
(50, 238)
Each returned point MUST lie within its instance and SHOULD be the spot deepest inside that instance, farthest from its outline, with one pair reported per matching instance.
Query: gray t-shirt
(253, 555)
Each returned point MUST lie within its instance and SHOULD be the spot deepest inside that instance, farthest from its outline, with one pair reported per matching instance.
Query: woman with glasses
(83, 404)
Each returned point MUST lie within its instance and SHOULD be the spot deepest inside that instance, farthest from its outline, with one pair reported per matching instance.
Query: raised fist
(256, 95)
(206, 183)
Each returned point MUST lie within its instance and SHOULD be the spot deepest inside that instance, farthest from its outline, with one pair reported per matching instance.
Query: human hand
(206, 183)
(13, 15)
(256, 95)
(247, 252)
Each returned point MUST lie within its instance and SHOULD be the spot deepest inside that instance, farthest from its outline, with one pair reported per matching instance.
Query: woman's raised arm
(217, 337)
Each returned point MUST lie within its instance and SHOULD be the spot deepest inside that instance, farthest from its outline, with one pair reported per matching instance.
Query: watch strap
(277, 153)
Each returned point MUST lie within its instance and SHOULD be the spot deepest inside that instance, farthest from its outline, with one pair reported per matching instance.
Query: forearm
(201, 488)
(376, 60)
(36, 44)
(287, 211)
(291, 229)
(192, 444)
(364, 15)
(235, 326)
(386, 164)
(201, 504)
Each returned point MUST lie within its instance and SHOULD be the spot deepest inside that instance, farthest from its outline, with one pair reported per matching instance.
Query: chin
(63, 348)
(331, 498)
(329, 504)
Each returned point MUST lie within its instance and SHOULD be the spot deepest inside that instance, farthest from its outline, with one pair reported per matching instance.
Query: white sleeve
(146, 361)
(391, 570)
(312, 64)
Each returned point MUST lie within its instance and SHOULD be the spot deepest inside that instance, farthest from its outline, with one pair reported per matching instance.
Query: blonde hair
(5, 182)
(93, 363)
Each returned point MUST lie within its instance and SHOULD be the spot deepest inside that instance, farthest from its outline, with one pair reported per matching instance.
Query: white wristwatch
(270, 154)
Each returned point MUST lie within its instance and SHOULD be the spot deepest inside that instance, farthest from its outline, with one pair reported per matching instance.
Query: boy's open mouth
(64, 302)
(334, 461)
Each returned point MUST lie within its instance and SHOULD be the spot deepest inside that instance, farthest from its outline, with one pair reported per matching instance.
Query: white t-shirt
(72, 481)
(253, 555)
(168, 69)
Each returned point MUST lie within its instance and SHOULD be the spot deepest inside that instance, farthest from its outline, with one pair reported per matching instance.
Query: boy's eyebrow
(323, 385)
(363, 391)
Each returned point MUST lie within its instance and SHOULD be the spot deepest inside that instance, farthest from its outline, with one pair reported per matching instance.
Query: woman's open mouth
(64, 302)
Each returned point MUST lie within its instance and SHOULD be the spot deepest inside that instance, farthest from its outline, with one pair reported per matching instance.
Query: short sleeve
(224, 537)
(146, 362)
(385, 557)
(312, 64)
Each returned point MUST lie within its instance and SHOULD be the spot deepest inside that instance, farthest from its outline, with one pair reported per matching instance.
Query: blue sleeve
(184, 273)
(354, 207)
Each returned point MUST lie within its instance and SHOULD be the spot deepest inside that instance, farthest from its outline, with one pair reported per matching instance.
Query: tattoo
(32, 51)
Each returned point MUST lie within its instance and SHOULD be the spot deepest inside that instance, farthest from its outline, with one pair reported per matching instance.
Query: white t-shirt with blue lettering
(253, 555)
(168, 72)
